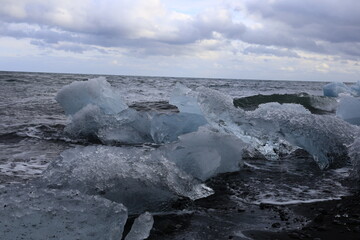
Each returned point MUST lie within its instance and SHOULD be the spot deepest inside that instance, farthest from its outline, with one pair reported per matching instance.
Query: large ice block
(31, 213)
(137, 177)
(97, 91)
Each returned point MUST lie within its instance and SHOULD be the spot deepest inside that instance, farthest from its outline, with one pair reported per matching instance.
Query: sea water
(158, 168)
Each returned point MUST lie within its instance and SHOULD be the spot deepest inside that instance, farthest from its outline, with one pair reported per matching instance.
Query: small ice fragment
(141, 227)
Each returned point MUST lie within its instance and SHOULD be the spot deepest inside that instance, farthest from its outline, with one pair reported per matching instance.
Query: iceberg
(141, 227)
(349, 109)
(97, 91)
(206, 153)
(335, 89)
(139, 178)
(28, 212)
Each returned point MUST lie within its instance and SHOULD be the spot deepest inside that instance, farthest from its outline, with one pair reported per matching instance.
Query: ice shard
(141, 227)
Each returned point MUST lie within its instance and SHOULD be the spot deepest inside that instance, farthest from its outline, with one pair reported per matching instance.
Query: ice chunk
(167, 127)
(97, 91)
(324, 137)
(31, 213)
(185, 99)
(128, 126)
(335, 88)
(206, 153)
(273, 125)
(355, 88)
(141, 228)
(137, 177)
(349, 109)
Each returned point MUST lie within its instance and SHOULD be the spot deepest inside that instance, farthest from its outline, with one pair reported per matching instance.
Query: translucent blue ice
(97, 91)
(349, 109)
(335, 88)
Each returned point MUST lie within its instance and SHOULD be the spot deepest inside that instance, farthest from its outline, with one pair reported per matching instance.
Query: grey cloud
(321, 26)
(270, 51)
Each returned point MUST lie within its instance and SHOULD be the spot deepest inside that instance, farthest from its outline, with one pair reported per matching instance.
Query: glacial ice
(185, 99)
(355, 89)
(324, 137)
(167, 127)
(349, 109)
(141, 227)
(139, 178)
(206, 153)
(273, 125)
(334, 89)
(97, 91)
(32, 213)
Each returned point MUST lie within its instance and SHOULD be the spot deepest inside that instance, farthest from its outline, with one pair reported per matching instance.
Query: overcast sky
(242, 39)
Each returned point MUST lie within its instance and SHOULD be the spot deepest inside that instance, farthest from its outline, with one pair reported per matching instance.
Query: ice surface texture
(95, 91)
(31, 213)
(140, 179)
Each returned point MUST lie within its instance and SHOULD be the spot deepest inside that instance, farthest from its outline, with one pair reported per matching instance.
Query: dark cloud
(316, 26)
